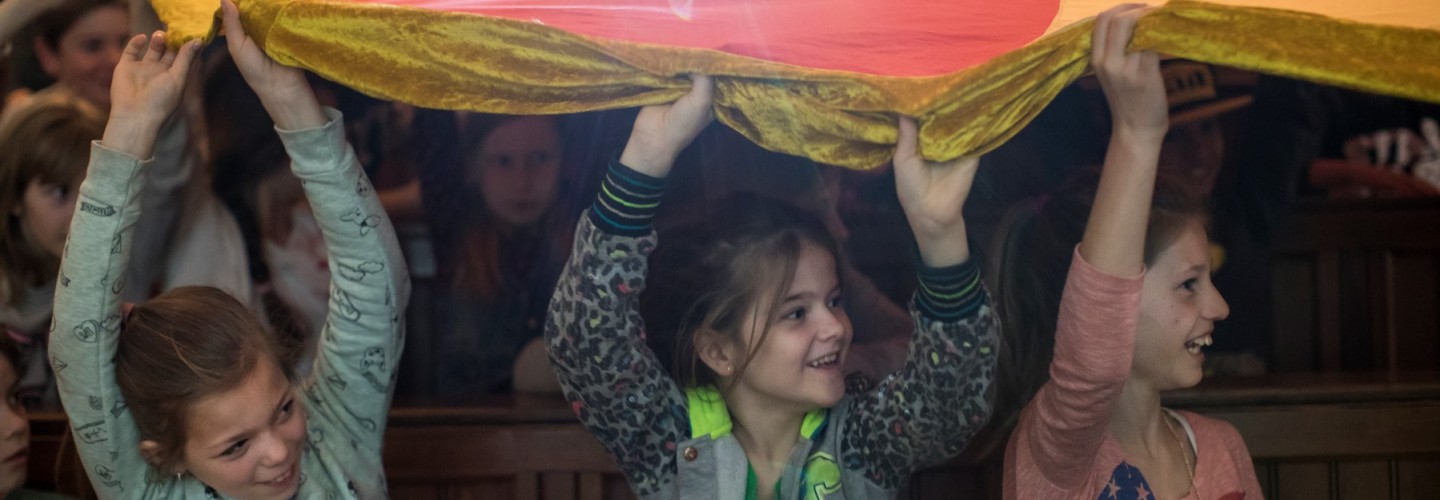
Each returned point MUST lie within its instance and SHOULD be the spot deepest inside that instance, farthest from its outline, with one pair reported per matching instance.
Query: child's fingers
(186, 55)
(234, 34)
(135, 49)
(1122, 27)
(907, 141)
(169, 58)
(157, 46)
(1097, 39)
(698, 101)
(1114, 29)
(180, 59)
(702, 87)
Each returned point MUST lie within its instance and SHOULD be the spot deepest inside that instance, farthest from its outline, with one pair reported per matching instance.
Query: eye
(539, 158)
(235, 449)
(1191, 284)
(795, 314)
(836, 302)
(287, 409)
(92, 46)
(504, 161)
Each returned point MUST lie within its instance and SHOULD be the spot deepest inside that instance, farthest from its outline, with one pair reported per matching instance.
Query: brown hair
(181, 347)
(709, 273)
(47, 142)
(52, 25)
(1031, 265)
(469, 237)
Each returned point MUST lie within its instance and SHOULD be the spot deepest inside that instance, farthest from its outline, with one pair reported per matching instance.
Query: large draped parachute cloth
(816, 78)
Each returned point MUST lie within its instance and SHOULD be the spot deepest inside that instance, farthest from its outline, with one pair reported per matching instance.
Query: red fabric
(882, 37)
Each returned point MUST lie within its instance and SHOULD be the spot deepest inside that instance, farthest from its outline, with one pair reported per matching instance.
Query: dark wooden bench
(1325, 436)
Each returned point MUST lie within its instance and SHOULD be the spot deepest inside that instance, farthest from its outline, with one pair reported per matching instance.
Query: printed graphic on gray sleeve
(93, 432)
(344, 305)
(97, 210)
(366, 223)
(372, 365)
(108, 477)
(361, 271)
(89, 332)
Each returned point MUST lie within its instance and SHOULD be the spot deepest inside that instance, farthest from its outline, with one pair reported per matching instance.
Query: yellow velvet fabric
(478, 63)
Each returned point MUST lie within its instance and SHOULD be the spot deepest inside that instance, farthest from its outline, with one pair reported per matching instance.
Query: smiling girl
(187, 395)
(77, 43)
(745, 307)
(1136, 311)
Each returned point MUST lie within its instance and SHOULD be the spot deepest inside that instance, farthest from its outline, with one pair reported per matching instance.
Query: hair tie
(125, 310)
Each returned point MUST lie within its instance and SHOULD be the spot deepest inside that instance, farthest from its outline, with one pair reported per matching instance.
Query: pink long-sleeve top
(1062, 447)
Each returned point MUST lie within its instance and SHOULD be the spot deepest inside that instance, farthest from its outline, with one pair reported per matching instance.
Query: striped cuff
(949, 293)
(627, 201)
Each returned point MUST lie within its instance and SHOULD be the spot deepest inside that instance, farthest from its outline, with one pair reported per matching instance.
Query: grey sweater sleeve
(86, 325)
(350, 387)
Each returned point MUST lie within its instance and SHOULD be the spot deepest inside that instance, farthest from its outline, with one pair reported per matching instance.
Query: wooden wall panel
(1265, 473)
(1296, 314)
(1419, 479)
(1305, 431)
(1357, 287)
(559, 486)
(1364, 479)
(1416, 319)
(616, 488)
(1302, 481)
(1347, 343)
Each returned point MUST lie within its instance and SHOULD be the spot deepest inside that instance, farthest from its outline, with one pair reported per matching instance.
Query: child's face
(518, 170)
(798, 367)
(85, 56)
(1195, 152)
(1179, 306)
(246, 442)
(14, 432)
(44, 212)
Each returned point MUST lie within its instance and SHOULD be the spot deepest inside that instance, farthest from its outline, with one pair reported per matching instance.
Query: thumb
(234, 32)
(181, 67)
(907, 140)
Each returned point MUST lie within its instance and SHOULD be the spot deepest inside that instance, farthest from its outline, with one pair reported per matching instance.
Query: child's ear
(151, 451)
(49, 60)
(718, 351)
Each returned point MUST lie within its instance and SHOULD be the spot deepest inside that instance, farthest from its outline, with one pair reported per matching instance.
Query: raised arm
(1114, 240)
(593, 330)
(360, 345)
(1064, 427)
(928, 410)
(83, 338)
(283, 91)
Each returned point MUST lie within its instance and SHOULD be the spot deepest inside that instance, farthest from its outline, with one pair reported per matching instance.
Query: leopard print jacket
(921, 415)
